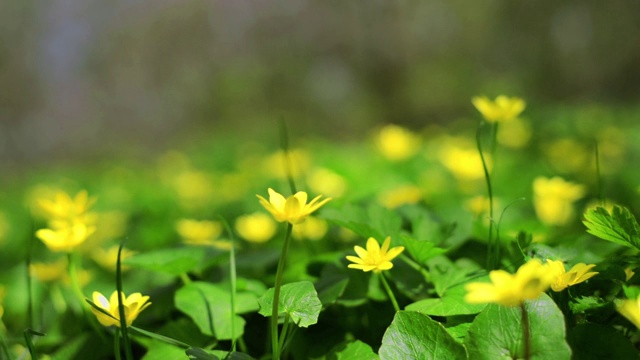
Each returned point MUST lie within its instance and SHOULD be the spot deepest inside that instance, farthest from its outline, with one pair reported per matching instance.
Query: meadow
(507, 233)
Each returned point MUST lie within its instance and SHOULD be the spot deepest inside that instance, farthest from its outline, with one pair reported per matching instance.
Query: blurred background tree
(83, 79)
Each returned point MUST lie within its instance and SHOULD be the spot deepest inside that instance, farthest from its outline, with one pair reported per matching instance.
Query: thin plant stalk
(29, 287)
(285, 331)
(598, 173)
(121, 312)
(389, 292)
(233, 279)
(526, 332)
(276, 293)
(116, 344)
(491, 262)
(73, 276)
(5, 349)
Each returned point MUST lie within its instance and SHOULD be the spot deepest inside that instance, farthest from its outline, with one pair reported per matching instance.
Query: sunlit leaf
(497, 333)
(299, 300)
(413, 335)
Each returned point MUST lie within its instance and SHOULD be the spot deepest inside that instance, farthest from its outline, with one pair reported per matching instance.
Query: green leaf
(209, 306)
(299, 300)
(162, 351)
(376, 221)
(421, 251)
(582, 304)
(595, 341)
(356, 350)
(173, 261)
(332, 284)
(200, 354)
(413, 335)
(445, 306)
(619, 227)
(496, 333)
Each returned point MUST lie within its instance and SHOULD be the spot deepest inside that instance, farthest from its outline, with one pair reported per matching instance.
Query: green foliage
(497, 333)
(596, 341)
(354, 350)
(209, 307)
(174, 261)
(619, 226)
(298, 300)
(413, 335)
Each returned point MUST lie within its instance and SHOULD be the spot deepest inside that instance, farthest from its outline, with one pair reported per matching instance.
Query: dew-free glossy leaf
(413, 335)
(496, 333)
(299, 300)
(210, 307)
(356, 350)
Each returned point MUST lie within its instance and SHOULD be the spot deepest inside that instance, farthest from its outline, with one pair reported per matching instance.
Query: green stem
(598, 173)
(490, 259)
(416, 266)
(116, 344)
(233, 278)
(284, 144)
(526, 332)
(5, 349)
(284, 332)
(185, 278)
(389, 292)
(121, 312)
(75, 283)
(276, 293)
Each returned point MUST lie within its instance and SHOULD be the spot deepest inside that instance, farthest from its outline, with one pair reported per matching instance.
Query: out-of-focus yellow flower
(395, 197)
(478, 205)
(299, 161)
(107, 258)
(529, 282)
(69, 220)
(502, 109)
(567, 155)
(257, 227)
(628, 274)
(201, 232)
(194, 188)
(57, 271)
(48, 272)
(464, 164)
(630, 309)
(312, 229)
(374, 258)
(397, 143)
(324, 181)
(65, 238)
(63, 207)
(514, 134)
(553, 199)
(563, 279)
(133, 306)
(293, 209)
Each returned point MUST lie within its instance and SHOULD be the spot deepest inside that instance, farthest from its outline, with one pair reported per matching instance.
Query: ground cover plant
(510, 233)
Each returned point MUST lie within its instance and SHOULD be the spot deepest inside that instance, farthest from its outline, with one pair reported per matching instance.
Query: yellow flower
(65, 238)
(312, 229)
(63, 207)
(327, 182)
(48, 272)
(514, 134)
(133, 305)
(374, 258)
(464, 163)
(256, 227)
(397, 143)
(553, 199)
(529, 282)
(69, 220)
(630, 309)
(293, 209)
(202, 232)
(405, 194)
(107, 258)
(502, 109)
(578, 273)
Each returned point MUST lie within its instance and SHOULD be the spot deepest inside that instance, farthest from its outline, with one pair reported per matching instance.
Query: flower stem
(526, 332)
(73, 275)
(389, 292)
(116, 344)
(491, 262)
(276, 293)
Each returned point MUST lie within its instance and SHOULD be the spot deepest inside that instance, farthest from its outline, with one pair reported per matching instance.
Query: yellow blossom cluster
(70, 222)
(554, 198)
(528, 283)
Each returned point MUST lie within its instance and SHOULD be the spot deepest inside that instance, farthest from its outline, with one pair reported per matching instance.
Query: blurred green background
(86, 79)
